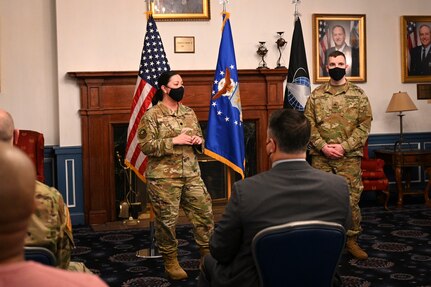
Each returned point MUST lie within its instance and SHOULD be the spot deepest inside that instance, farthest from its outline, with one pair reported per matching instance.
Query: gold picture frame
(181, 10)
(413, 68)
(353, 44)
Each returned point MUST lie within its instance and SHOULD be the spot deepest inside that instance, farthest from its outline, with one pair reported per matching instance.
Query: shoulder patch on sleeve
(142, 134)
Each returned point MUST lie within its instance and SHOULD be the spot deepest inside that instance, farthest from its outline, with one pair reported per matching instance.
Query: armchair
(299, 253)
(40, 254)
(33, 144)
(373, 175)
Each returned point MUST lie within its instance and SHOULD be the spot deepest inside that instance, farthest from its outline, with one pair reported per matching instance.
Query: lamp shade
(401, 102)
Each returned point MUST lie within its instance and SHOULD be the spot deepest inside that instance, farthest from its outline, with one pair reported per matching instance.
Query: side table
(400, 159)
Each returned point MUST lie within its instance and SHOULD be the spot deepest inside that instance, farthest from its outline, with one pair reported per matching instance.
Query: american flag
(153, 63)
(412, 36)
(324, 45)
(412, 39)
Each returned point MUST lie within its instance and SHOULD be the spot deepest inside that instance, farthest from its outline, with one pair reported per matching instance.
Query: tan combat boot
(354, 249)
(173, 268)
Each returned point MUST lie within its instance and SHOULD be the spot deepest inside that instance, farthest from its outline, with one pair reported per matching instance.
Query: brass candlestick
(281, 45)
(262, 51)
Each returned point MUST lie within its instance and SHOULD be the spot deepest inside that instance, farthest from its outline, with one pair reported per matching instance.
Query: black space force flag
(298, 79)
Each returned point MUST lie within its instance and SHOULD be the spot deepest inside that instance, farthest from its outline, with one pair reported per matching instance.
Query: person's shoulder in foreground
(28, 273)
(17, 185)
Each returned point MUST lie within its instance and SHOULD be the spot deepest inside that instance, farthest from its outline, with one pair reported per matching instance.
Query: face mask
(337, 73)
(177, 94)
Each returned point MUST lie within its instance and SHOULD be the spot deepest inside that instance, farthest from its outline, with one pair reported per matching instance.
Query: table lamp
(400, 102)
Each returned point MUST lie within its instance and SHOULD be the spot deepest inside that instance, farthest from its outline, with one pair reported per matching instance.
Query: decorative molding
(70, 182)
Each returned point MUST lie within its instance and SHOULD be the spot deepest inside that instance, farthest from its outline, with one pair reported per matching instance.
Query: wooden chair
(373, 175)
(33, 144)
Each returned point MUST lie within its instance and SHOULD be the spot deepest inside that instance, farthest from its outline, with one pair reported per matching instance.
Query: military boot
(203, 251)
(354, 249)
(173, 268)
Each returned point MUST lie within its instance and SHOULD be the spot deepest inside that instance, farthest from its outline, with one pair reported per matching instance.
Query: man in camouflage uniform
(50, 224)
(340, 116)
(50, 227)
(170, 135)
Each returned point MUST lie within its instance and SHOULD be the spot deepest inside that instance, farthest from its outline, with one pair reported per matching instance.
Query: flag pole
(149, 5)
(152, 251)
(296, 14)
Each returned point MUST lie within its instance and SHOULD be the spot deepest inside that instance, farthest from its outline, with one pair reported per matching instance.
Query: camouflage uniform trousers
(350, 169)
(166, 196)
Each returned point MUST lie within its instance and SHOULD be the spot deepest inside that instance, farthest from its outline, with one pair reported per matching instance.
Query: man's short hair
(339, 26)
(291, 130)
(425, 25)
(336, 53)
(6, 126)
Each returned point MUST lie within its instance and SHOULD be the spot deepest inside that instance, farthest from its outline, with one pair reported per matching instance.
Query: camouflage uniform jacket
(339, 115)
(50, 224)
(157, 128)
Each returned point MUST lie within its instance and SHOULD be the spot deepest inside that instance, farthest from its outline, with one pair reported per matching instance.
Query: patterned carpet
(398, 243)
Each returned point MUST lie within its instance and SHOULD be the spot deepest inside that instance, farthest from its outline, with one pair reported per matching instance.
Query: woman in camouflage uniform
(169, 134)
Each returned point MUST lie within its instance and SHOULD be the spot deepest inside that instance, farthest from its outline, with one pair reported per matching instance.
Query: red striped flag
(153, 63)
(412, 39)
(324, 44)
(412, 36)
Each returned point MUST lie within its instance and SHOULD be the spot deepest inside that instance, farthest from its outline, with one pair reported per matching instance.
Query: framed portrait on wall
(415, 49)
(181, 10)
(345, 33)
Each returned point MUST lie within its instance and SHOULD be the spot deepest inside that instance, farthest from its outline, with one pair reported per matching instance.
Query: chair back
(33, 144)
(373, 175)
(40, 254)
(301, 253)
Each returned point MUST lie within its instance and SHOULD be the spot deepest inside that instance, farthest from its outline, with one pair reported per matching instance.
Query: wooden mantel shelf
(205, 73)
(106, 98)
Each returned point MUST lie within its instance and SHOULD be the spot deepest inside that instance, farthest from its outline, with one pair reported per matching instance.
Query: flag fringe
(149, 13)
(225, 18)
(135, 170)
(225, 161)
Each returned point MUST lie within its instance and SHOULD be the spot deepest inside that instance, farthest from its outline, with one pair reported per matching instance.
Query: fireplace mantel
(106, 99)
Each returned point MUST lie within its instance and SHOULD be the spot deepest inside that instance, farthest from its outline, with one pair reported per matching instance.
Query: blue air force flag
(298, 79)
(225, 134)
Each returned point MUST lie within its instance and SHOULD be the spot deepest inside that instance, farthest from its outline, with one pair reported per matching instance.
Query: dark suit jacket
(290, 191)
(417, 66)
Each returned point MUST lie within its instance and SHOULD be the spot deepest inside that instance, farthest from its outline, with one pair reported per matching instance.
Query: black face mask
(337, 73)
(177, 94)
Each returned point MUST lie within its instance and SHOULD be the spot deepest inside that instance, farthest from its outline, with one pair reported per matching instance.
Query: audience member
(290, 191)
(50, 224)
(340, 116)
(17, 203)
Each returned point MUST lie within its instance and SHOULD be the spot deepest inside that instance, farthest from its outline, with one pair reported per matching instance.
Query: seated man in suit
(291, 190)
(50, 224)
(17, 180)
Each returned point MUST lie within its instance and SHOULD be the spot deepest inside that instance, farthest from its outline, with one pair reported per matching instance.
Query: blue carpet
(398, 243)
